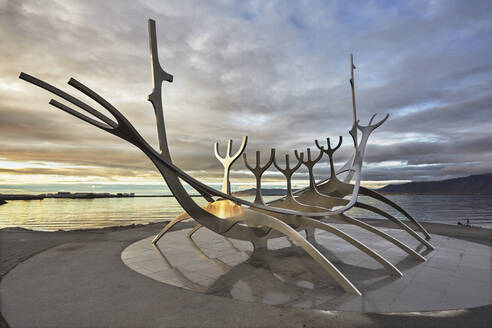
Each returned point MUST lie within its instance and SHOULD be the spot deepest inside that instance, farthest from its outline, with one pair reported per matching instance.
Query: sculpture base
(457, 274)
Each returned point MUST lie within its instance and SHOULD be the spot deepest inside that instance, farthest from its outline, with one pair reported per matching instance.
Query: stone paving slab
(84, 283)
(457, 274)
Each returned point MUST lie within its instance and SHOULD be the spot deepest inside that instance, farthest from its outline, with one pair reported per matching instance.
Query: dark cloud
(275, 71)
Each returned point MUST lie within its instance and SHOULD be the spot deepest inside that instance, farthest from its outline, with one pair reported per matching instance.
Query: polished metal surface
(258, 171)
(237, 218)
(228, 160)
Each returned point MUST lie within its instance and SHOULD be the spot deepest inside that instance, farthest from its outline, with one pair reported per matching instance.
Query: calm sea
(68, 214)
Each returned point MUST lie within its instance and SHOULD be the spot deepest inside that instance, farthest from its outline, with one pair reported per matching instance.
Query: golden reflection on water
(67, 214)
(53, 214)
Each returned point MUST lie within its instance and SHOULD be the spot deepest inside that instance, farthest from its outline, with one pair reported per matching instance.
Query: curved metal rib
(326, 227)
(312, 196)
(378, 196)
(348, 219)
(307, 246)
(395, 220)
(382, 234)
(169, 226)
(315, 199)
(257, 219)
(195, 229)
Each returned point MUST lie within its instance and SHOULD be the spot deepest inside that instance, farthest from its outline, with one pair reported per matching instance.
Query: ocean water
(68, 214)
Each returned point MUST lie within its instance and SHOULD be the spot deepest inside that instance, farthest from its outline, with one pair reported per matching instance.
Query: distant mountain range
(470, 185)
(264, 192)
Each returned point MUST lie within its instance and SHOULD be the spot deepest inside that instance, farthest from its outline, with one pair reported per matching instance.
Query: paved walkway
(456, 275)
(84, 283)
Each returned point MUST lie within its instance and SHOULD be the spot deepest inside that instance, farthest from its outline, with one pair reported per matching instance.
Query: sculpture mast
(352, 67)
(158, 75)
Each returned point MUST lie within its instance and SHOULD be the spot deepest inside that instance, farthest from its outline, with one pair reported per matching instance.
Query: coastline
(5, 197)
(52, 214)
(240, 193)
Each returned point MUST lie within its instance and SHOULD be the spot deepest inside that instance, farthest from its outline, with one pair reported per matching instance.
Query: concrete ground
(457, 274)
(78, 280)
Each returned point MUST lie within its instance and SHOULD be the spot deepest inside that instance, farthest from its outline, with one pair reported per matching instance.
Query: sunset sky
(275, 71)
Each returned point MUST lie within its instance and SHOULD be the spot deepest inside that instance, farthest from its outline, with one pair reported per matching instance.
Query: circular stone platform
(458, 274)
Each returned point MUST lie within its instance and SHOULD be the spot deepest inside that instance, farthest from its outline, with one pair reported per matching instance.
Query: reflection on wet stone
(453, 277)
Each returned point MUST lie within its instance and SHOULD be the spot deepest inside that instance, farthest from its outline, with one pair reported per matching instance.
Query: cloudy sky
(276, 71)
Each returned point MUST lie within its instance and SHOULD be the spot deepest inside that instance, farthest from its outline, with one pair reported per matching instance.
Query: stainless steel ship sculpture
(307, 209)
